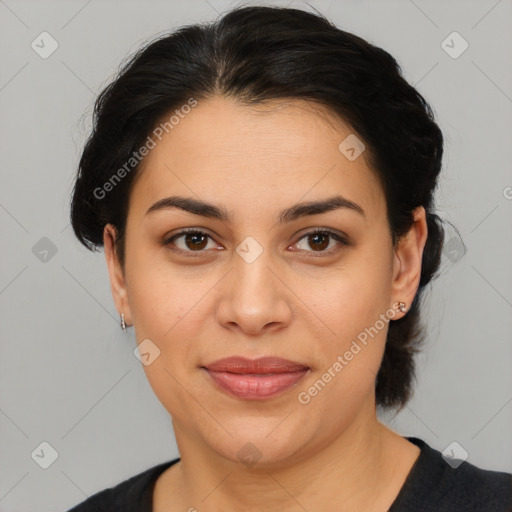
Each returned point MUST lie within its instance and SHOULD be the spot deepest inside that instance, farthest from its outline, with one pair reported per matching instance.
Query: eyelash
(194, 254)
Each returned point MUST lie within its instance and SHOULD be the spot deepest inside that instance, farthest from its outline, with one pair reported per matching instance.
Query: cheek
(353, 297)
(349, 352)
(169, 386)
(161, 315)
(354, 308)
(165, 317)
(159, 299)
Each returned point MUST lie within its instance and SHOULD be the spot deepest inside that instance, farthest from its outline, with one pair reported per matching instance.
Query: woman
(264, 188)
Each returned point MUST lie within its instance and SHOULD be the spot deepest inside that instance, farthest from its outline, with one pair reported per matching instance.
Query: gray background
(68, 375)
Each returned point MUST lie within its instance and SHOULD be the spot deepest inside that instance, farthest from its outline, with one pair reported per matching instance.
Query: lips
(255, 379)
(242, 365)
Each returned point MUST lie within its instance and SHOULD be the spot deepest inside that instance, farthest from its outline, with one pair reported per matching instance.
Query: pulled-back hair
(255, 54)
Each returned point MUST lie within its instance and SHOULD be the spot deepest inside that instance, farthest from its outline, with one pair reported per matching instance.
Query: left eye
(195, 241)
(319, 240)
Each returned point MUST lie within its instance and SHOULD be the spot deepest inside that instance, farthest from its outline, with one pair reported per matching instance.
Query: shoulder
(435, 484)
(476, 488)
(131, 495)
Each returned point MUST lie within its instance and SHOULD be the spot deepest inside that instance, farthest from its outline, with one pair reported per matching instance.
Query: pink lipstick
(255, 379)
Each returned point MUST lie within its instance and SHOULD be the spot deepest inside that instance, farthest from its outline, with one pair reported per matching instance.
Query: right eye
(193, 241)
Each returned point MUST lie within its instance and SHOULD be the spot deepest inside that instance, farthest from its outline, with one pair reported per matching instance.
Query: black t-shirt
(432, 485)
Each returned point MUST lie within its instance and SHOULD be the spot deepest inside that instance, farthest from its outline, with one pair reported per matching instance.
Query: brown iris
(316, 236)
(199, 240)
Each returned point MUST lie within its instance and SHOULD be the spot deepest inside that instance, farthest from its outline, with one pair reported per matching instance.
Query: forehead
(278, 153)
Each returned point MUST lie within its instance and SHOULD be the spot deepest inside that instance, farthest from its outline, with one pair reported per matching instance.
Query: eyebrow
(209, 210)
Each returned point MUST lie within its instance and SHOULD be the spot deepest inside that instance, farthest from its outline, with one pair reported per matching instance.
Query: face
(257, 283)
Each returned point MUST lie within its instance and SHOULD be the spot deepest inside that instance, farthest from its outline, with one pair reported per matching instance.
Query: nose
(253, 298)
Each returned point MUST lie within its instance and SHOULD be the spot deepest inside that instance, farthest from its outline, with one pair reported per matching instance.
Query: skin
(294, 301)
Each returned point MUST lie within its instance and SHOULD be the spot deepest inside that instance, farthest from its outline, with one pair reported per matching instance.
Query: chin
(258, 442)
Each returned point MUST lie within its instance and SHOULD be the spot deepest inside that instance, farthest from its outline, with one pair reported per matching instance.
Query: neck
(338, 474)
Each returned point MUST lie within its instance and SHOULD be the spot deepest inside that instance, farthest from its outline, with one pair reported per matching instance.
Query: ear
(117, 280)
(407, 261)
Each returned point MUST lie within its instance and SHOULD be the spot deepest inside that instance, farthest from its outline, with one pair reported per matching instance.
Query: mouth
(255, 379)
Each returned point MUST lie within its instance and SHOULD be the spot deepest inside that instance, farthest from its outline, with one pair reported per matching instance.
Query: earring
(401, 307)
(123, 323)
